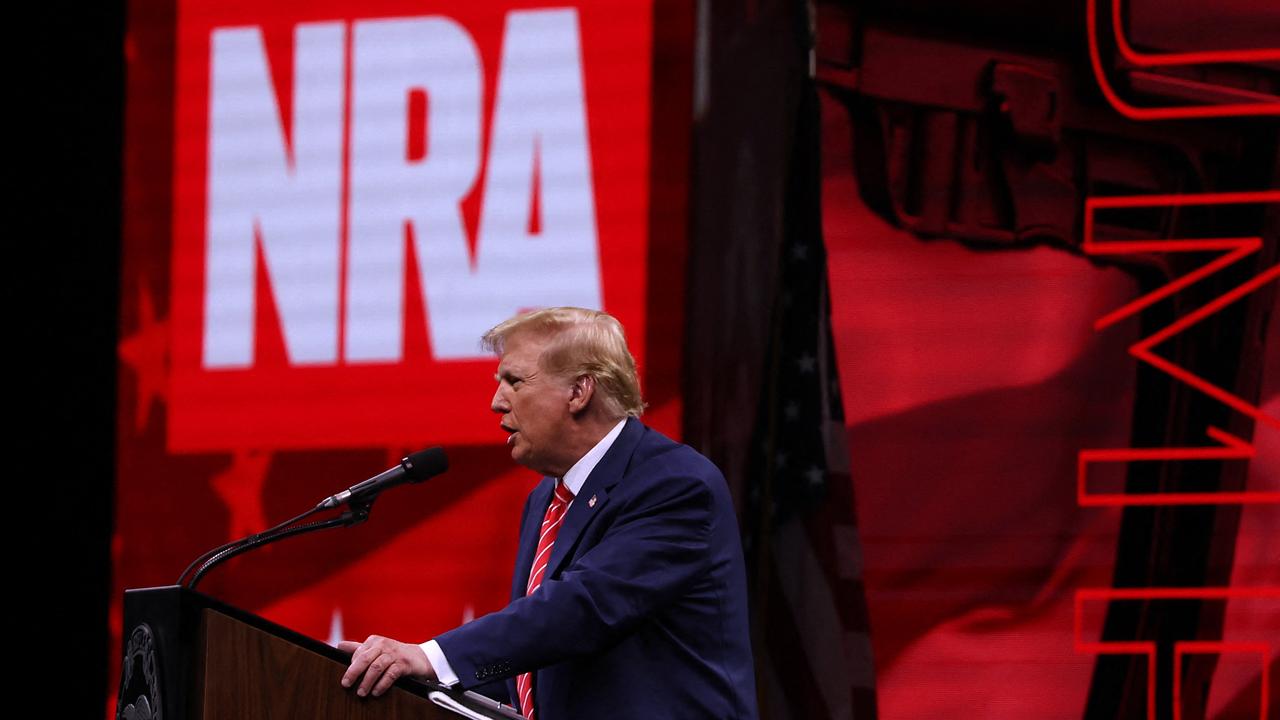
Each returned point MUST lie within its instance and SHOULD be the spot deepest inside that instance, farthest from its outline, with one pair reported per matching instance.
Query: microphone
(414, 468)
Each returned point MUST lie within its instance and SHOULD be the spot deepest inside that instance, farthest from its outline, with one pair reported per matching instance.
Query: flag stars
(146, 352)
(240, 489)
(799, 252)
(807, 363)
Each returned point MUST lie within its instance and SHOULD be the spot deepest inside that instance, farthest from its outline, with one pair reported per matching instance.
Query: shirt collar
(577, 474)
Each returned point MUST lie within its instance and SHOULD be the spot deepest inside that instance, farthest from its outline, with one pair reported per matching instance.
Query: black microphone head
(424, 464)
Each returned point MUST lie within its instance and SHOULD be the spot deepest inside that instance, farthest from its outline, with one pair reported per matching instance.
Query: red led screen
(359, 194)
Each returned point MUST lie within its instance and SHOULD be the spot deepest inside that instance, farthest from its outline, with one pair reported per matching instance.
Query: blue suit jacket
(643, 611)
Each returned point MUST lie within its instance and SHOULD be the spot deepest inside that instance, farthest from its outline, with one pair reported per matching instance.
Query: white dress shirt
(573, 480)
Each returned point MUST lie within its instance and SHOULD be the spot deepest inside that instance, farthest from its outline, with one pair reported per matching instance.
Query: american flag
(813, 650)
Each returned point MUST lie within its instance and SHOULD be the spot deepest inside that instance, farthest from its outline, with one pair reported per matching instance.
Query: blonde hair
(582, 342)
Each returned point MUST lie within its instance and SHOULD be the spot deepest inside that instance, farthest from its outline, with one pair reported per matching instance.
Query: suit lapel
(591, 499)
(538, 501)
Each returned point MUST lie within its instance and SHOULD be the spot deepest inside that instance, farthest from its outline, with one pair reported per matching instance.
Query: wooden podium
(189, 656)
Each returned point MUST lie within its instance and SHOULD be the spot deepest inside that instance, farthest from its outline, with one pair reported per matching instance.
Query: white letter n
(285, 194)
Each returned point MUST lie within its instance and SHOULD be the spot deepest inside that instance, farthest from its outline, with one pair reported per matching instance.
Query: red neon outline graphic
(1169, 112)
(1148, 647)
(1142, 349)
(1205, 647)
(1187, 58)
(1233, 448)
(1239, 246)
(1242, 247)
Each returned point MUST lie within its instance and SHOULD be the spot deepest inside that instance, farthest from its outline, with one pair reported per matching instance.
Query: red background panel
(419, 398)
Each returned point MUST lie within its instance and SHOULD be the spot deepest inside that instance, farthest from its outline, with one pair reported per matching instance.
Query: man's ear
(580, 394)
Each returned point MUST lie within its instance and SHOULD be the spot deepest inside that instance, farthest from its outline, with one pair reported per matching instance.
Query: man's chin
(518, 453)
(523, 458)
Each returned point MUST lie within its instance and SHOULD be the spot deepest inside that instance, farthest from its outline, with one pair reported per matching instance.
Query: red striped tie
(550, 529)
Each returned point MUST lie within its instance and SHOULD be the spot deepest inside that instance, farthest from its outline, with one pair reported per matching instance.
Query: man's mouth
(511, 437)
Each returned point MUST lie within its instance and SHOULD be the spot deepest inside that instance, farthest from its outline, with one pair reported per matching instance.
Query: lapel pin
(592, 502)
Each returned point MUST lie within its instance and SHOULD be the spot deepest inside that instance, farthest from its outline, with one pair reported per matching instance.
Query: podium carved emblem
(139, 697)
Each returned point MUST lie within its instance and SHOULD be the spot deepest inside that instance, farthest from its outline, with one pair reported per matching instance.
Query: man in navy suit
(629, 595)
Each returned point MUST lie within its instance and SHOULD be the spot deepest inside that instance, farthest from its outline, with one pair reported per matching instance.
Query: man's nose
(499, 402)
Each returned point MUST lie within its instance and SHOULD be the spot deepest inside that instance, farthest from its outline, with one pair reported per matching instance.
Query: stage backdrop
(327, 203)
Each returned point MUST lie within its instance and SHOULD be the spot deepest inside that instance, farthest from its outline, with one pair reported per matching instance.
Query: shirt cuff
(444, 673)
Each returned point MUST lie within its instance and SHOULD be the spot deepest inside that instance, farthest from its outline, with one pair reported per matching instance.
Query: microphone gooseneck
(358, 498)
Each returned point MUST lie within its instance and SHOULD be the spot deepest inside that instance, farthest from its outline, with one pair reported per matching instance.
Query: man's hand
(383, 661)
